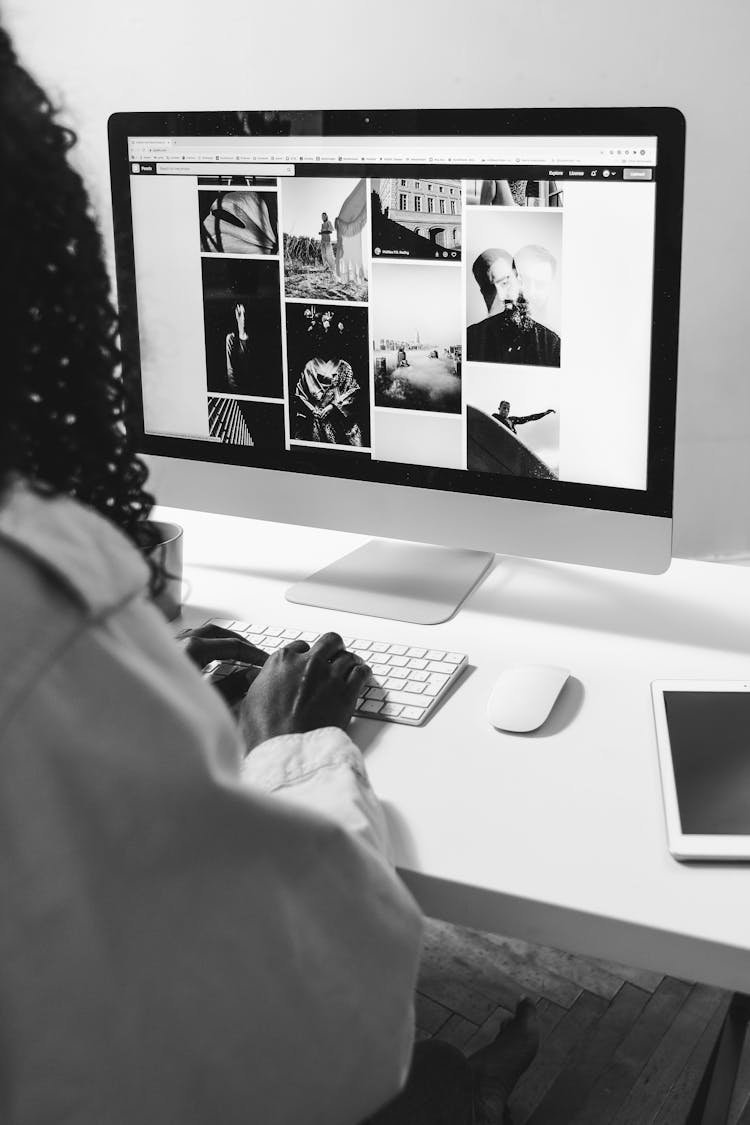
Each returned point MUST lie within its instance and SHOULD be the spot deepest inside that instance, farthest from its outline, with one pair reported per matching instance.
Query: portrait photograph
(514, 286)
(242, 325)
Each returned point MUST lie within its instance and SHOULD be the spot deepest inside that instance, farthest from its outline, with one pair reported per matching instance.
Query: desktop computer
(455, 330)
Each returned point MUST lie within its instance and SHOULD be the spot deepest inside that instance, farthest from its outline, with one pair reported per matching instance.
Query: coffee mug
(168, 556)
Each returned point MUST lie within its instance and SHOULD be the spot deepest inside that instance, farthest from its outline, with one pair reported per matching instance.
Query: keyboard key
(437, 680)
(453, 658)
(416, 651)
(440, 666)
(392, 682)
(223, 623)
(375, 693)
(404, 697)
(291, 634)
(379, 670)
(418, 677)
(416, 688)
(412, 713)
(397, 650)
(434, 654)
(371, 706)
(391, 709)
(435, 685)
(378, 646)
(274, 631)
(309, 637)
(417, 663)
(398, 662)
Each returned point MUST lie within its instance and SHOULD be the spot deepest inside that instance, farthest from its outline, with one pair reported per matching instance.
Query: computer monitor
(455, 330)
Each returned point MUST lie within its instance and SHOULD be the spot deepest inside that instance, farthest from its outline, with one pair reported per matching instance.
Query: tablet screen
(709, 735)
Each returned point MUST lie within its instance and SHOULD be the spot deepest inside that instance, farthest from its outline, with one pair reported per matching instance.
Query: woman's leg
(438, 1091)
(446, 1088)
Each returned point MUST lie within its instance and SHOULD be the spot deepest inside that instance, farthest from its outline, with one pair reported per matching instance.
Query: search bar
(183, 168)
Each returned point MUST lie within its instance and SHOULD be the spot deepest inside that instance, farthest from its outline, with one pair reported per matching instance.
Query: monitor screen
(478, 302)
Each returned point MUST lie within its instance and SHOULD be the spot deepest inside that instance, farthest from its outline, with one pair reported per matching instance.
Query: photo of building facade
(429, 208)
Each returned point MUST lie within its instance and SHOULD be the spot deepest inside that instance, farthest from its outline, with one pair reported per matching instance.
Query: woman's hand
(301, 688)
(211, 642)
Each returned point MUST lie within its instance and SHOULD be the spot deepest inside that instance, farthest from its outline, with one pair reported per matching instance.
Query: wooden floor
(619, 1046)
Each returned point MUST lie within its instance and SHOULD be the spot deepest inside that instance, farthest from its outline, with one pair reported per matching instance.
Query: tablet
(703, 736)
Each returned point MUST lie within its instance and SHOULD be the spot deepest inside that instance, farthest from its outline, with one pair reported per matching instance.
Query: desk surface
(556, 837)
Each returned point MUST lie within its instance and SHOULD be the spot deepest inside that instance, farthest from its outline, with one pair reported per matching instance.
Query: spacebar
(414, 699)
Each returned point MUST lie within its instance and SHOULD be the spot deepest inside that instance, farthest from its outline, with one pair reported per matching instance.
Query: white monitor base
(402, 581)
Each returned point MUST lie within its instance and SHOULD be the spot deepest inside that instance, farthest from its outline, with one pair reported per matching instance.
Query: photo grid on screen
(422, 321)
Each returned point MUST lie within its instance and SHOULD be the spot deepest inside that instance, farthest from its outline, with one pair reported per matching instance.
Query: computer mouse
(523, 697)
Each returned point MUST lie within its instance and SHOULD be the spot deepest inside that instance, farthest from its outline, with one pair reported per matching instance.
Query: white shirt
(180, 941)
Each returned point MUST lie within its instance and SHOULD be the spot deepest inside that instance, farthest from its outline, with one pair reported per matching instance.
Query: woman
(326, 246)
(182, 941)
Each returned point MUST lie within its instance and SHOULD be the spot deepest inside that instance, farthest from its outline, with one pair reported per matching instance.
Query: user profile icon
(377, 249)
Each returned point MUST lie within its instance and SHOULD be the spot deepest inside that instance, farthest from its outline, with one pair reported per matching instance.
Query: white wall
(97, 57)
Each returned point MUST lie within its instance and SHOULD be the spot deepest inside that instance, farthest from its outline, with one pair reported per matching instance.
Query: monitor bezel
(665, 123)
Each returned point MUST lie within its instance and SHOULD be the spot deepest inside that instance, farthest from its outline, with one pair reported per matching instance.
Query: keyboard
(408, 681)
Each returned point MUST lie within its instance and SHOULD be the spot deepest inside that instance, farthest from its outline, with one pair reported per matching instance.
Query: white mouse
(522, 698)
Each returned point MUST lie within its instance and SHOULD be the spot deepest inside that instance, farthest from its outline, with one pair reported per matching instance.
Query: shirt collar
(87, 554)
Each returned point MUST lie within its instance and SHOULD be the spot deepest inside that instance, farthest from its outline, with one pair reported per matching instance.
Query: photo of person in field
(325, 236)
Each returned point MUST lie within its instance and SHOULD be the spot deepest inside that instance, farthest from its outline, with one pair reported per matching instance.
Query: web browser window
(480, 304)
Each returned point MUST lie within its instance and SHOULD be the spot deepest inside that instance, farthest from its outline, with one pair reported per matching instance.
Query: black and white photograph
(416, 218)
(415, 323)
(513, 422)
(242, 323)
(513, 193)
(236, 181)
(513, 280)
(329, 374)
(325, 238)
(235, 421)
(238, 222)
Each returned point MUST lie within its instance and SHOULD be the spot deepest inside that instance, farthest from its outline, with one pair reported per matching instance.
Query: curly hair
(64, 414)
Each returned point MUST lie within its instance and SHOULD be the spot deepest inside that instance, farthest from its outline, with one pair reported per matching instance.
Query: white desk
(556, 837)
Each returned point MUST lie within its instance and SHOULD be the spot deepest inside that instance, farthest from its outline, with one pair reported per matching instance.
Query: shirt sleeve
(325, 771)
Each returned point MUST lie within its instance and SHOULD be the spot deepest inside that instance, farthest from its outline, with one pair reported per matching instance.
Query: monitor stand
(402, 581)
